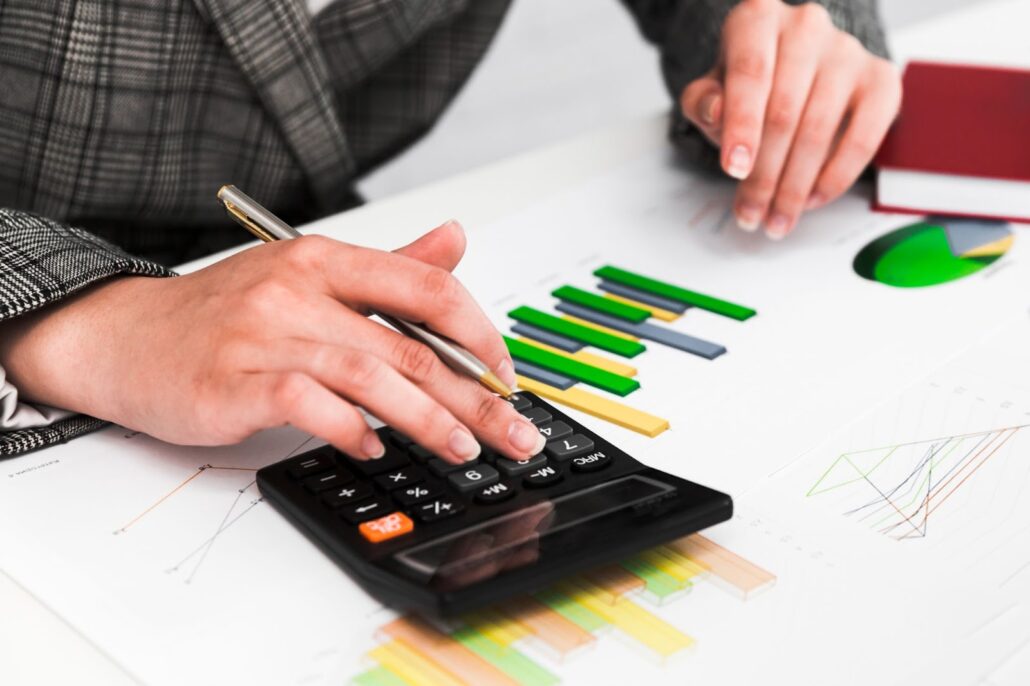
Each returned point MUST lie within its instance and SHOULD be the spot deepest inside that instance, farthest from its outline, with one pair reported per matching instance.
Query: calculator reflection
(514, 540)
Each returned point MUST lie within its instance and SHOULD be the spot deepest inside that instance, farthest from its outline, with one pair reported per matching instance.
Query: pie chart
(934, 251)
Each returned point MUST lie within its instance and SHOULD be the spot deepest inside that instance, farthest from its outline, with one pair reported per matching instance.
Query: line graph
(895, 489)
(226, 501)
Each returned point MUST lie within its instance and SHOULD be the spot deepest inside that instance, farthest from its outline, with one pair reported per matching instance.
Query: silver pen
(268, 227)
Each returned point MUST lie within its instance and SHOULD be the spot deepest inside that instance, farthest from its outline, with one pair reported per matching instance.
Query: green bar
(658, 582)
(606, 305)
(568, 608)
(666, 290)
(507, 659)
(620, 385)
(583, 334)
(378, 676)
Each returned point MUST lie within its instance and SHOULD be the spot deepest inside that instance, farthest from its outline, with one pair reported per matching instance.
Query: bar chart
(525, 641)
(626, 312)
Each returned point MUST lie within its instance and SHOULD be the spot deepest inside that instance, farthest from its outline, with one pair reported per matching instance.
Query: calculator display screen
(514, 539)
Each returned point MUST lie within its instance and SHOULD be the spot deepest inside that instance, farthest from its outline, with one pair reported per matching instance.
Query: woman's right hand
(274, 335)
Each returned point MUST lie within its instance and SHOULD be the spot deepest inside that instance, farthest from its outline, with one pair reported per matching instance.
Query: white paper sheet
(201, 582)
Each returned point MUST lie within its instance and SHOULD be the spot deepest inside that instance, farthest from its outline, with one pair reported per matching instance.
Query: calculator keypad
(410, 487)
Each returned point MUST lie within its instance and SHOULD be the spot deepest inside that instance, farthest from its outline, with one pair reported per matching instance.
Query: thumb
(702, 103)
(442, 247)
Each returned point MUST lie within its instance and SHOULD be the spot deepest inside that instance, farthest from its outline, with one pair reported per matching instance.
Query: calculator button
(323, 482)
(365, 510)
(519, 402)
(555, 430)
(306, 465)
(591, 463)
(438, 509)
(537, 415)
(400, 440)
(442, 468)
(515, 467)
(383, 529)
(565, 448)
(391, 461)
(420, 454)
(543, 476)
(348, 494)
(494, 493)
(488, 455)
(413, 495)
(471, 478)
(398, 479)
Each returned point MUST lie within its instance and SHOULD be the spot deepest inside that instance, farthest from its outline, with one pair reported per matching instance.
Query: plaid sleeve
(687, 33)
(42, 262)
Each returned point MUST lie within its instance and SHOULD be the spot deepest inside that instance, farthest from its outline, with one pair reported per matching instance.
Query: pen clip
(241, 218)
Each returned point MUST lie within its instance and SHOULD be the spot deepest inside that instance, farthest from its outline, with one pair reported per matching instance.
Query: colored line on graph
(176, 489)
(585, 357)
(642, 296)
(603, 408)
(567, 367)
(630, 313)
(584, 334)
(905, 484)
(667, 290)
(547, 338)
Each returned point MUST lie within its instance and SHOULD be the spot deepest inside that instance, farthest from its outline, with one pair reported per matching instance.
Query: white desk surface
(37, 647)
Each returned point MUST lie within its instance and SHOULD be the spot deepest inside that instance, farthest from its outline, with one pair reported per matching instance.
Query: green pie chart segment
(933, 252)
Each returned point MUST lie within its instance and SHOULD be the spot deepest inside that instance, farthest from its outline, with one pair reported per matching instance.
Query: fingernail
(739, 163)
(463, 445)
(372, 446)
(814, 201)
(708, 105)
(749, 217)
(776, 227)
(506, 372)
(525, 437)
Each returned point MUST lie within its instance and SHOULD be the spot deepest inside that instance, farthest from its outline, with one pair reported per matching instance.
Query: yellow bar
(586, 358)
(614, 582)
(598, 327)
(496, 627)
(680, 573)
(686, 563)
(656, 312)
(635, 621)
(998, 247)
(411, 666)
(595, 405)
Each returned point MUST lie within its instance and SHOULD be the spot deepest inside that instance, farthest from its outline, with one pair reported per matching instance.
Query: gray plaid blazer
(118, 119)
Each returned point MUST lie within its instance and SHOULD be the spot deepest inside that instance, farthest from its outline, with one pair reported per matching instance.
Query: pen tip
(491, 381)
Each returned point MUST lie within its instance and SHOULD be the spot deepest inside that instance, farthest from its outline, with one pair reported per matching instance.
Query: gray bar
(651, 332)
(643, 296)
(543, 375)
(548, 338)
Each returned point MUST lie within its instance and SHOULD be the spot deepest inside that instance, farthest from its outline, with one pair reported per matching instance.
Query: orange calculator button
(382, 529)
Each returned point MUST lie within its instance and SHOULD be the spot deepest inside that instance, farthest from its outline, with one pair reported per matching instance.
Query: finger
(749, 53)
(413, 290)
(492, 420)
(824, 112)
(796, 66)
(368, 381)
(702, 103)
(297, 399)
(872, 116)
(442, 247)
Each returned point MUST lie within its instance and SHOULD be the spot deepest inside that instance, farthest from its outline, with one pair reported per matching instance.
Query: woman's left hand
(798, 107)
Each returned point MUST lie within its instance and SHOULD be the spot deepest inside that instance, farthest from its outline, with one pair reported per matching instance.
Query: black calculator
(422, 534)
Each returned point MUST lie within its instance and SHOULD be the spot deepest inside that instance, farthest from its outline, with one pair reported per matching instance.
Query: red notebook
(961, 145)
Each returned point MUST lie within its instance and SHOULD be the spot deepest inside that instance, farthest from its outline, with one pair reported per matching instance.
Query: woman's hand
(797, 106)
(277, 335)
